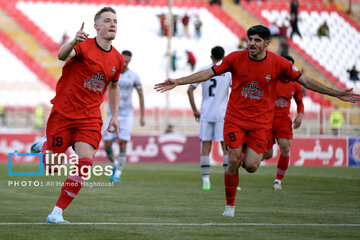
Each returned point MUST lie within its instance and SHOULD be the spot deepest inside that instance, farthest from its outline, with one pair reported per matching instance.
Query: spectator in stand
(284, 47)
(175, 18)
(173, 61)
(197, 25)
(217, 2)
(336, 121)
(294, 25)
(274, 30)
(323, 30)
(191, 60)
(283, 30)
(243, 44)
(162, 24)
(294, 7)
(169, 128)
(2, 116)
(185, 21)
(354, 74)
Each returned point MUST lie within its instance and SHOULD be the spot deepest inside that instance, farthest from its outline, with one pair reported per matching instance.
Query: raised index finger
(82, 26)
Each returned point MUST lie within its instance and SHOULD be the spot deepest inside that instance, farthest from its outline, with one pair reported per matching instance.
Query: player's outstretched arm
(67, 51)
(114, 96)
(193, 78)
(343, 94)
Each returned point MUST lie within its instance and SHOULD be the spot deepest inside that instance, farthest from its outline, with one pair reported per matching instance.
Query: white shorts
(211, 131)
(125, 124)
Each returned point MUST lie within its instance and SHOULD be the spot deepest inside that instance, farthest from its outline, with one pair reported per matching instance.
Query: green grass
(171, 195)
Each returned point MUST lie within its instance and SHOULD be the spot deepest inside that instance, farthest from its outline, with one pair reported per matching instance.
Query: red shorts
(235, 136)
(281, 128)
(62, 132)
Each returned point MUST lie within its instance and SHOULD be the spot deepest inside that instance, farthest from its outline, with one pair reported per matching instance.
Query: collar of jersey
(259, 59)
(101, 47)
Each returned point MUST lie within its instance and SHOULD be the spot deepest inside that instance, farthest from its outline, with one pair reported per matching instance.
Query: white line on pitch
(200, 224)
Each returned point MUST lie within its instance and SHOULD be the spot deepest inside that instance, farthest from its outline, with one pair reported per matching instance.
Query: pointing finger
(82, 26)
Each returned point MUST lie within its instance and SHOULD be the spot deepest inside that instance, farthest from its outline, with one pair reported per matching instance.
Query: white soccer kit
(215, 95)
(127, 82)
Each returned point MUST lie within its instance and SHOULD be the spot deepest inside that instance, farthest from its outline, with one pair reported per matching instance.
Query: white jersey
(215, 95)
(127, 82)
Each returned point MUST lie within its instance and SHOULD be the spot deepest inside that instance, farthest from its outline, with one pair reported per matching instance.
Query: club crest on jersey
(294, 68)
(113, 69)
(268, 77)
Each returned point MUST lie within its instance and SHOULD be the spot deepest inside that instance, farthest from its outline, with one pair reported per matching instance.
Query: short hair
(261, 30)
(290, 59)
(126, 53)
(101, 11)
(217, 53)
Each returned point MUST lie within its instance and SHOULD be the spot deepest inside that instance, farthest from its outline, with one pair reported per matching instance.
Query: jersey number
(211, 88)
(232, 137)
(58, 141)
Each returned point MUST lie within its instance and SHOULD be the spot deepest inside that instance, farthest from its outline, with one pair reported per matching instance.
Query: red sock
(231, 183)
(72, 185)
(282, 166)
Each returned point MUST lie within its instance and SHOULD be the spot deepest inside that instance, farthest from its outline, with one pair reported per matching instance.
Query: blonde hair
(101, 11)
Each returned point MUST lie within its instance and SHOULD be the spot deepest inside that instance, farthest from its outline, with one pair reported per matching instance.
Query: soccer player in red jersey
(281, 128)
(250, 111)
(91, 65)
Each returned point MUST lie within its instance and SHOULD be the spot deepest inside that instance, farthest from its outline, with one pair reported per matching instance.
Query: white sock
(225, 161)
(205, 169)
(277, 181)
(120, 163)
(57, 210)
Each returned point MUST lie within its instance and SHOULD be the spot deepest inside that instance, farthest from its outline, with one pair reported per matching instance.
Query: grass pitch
(165, 201)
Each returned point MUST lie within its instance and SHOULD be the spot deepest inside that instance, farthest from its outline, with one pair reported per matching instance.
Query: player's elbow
(61, 57)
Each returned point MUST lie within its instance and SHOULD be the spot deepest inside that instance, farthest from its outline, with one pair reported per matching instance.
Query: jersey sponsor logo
(252, 91)
(295, 68)
(268, 77)
(96, 83)
(113, 69)
(281, 102)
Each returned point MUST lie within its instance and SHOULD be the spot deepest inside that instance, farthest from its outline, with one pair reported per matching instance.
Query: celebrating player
(250, 111)
(127, 82)
(213, 106)
(75, 120)
(281, 128)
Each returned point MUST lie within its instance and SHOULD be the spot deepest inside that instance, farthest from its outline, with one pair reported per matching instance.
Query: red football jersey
(81, 88)
(285, 91)
(252, 99)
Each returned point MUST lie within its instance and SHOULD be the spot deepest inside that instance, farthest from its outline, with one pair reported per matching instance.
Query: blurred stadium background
(165, 201)
(32, 31)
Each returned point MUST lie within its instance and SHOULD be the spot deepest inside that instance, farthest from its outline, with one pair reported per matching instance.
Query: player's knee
(251, 167)
(285, 150)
